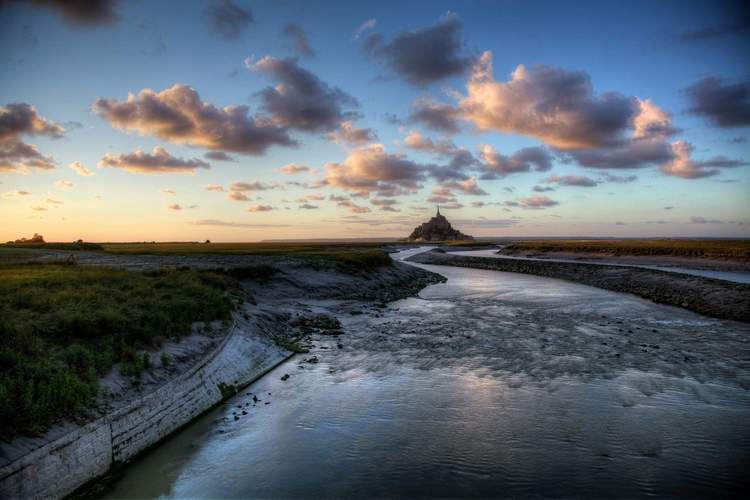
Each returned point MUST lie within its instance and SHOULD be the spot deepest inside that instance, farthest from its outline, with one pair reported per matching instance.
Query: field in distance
(712, 249)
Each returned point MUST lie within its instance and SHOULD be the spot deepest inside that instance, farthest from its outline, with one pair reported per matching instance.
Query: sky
(241, 121)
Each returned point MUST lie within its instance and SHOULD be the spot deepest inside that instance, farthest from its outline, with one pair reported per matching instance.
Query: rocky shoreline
(711, 297)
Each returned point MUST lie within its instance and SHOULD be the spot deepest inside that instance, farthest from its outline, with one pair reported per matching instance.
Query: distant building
(437, 229)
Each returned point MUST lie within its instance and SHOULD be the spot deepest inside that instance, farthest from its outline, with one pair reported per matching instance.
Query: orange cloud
(159, 161)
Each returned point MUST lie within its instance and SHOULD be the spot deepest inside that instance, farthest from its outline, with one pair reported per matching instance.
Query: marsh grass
(360, 255)
(720, 249)
(74, 246)
(64, 326)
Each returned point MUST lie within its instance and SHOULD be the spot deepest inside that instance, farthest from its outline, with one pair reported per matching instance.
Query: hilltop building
(437, 229)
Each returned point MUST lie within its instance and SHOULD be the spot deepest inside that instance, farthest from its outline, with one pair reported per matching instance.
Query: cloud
(619, 179)
(372, 169)
(293, 168)
(260, 208)
(237, 196)
(523, 160)
(81, 12)
(301, 100)
(367, 25)
(571, 180)
(17, 119)
(215, 187)
(252, 186)
(218, 156)
(63, 184)
(425, 55)
(486, 223)
(669, 208)
(170, 192)
(536, 202)
(703, 220)
(542, 189)
(221, 223)
(737, 23)
(159, 161)
(435, 116)
(81, 169)
(460, 158)
(386, 205)
(724, 105)
(178, 115)
(17, 156)
(350, 205)
(16, 194)
(633, 154)
(23, 118)
(738, 140)
(469, 186)
(554, 105)
(347, 133)
(308, 206)
(299, 39)
(227, 18)
(174, 206)
(682, 165)
(39, 209)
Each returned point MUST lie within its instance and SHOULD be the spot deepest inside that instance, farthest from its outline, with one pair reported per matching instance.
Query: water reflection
(492, 384)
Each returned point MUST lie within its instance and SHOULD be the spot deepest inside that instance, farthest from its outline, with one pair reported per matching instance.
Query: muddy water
(492, 384)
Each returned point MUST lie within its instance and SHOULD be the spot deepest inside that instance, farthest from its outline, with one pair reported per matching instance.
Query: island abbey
(437, 229)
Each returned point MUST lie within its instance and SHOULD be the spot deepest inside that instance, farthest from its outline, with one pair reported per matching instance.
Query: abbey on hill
(437, 229)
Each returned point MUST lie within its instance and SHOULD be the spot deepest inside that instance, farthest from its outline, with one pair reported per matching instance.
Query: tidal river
(491, 384)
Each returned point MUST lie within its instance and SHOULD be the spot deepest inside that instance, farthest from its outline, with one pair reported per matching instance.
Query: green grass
(721, 249)
(75, 246)
(63, 326)
(358, 255)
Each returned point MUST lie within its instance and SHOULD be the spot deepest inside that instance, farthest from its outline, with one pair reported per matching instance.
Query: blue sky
(639, 50)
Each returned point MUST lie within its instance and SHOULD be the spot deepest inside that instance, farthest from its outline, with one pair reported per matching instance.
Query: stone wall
(61, 466)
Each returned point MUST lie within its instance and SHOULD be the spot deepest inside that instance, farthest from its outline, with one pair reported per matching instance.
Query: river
(733, 276)
(491, 384)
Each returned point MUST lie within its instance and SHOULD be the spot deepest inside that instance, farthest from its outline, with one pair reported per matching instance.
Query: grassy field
(720, 249)
(63, 326)
(75, 246)
(362, 255)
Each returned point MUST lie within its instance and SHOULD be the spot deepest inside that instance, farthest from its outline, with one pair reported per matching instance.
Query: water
(492, 384)
(733, 276)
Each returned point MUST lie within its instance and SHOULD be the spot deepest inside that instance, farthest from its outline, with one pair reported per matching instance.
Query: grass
(74, 246)
(64, 326)
(720, 249)
(356, 255)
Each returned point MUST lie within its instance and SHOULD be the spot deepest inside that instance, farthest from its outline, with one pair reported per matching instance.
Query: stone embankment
(711, 297)
(60, 464)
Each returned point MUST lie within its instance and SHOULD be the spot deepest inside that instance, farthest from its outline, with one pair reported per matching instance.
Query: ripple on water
(487, 385)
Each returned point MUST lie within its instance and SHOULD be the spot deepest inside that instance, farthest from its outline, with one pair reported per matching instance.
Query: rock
(244, 412)
(285, 377)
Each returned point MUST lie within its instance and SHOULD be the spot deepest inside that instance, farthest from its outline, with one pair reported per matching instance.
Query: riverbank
(138, 416)
(706, 296)
(478, 384)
